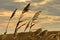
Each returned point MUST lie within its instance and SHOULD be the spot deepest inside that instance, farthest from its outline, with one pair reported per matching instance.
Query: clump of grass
(19, 21)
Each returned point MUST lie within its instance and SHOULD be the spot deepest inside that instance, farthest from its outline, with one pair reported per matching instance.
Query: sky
(48, 19)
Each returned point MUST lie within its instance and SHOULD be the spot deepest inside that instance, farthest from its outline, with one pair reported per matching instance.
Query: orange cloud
(46, 19)
(21, 0)
(45, 2)
(11, 24)
(9, 13)
(6, 13)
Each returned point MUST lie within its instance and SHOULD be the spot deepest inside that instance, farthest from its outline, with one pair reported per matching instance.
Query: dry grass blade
(36, 16)
(38, 31)
(26, 8)
(9, 20)
(13, 14)
(20, 17)
(21, 25)
(7, 27)
(43, 33)
(32, 26)
(51, 36)
(19, 21)
(27, 25)
(16, 28)
(55, 36)
(15, 32)
(18, 24)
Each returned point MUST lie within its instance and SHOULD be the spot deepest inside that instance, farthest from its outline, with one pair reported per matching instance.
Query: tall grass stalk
(26, 8)
(27, 25)
(9, 20)
(31, 25)
(35, 18)
(19, 21)
(13, 14)
(31, 21)
(21, 26)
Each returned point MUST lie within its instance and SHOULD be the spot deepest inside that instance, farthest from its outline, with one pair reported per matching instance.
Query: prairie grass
(19, 21)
